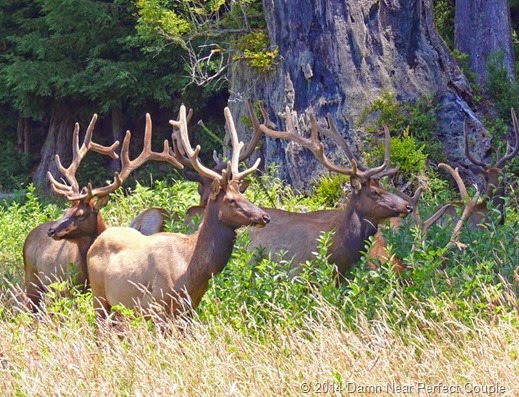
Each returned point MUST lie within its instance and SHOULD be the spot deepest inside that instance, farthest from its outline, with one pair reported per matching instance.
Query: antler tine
(181, 124)
(128, 166)
(256, 132)
(236, 147)
(332, 133)
(434, 218)
(467, 212)
(511, 152)
(89, 145)
(317, 147)
(78, 153)
(469, 156)
(411, 200)
(373, 171)
(456, 175)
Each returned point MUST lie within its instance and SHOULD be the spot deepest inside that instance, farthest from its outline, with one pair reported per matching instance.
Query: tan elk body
(56, 251)
(171, 269)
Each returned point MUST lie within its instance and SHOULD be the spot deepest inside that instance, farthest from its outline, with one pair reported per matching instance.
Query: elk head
(233, 207)
(83, 218)
(375, 203)
(493, 173)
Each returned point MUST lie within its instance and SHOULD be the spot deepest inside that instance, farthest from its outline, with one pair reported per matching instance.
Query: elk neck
(213, 246)
(352, 229)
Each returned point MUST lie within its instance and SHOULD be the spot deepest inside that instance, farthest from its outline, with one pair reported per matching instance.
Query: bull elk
(153, 220)
(296, 233)
(494, 186)
(136, 271)
(56, 251)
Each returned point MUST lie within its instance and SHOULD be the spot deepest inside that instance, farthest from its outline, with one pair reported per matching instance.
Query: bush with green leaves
(256, 293)
(414, 119)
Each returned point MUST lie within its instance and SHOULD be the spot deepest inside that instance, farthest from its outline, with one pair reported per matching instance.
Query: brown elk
(56, 251)
(296, 233)
(153, 220)
(494, 186)
(130, 269)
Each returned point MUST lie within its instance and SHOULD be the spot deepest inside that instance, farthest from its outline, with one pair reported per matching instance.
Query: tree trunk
(337, 57)
(483, 28)
(58, 141)
(23, 132)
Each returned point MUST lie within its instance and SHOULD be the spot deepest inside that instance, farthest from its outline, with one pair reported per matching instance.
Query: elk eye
(232, 201)
(80, 214)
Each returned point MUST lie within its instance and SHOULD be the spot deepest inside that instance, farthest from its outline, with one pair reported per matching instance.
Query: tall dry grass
(67, 355)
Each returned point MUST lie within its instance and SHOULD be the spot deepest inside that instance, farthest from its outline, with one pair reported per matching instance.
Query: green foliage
(255, 293)
(330, 189)
(408, 152)
(414, 122)
(254, 48)
(444, 20)
(503, 90)
(15, 168)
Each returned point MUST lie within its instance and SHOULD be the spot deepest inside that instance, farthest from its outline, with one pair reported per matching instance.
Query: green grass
(260, 332)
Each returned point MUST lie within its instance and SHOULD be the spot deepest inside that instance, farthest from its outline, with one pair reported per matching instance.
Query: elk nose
(266, 218)
(409, 208)
(51, 232)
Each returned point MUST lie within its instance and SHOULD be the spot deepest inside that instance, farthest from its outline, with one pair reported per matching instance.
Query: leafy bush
(417, 119)
(503, 90)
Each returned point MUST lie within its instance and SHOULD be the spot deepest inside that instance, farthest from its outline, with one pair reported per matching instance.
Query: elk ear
(102, 201)
(215, 189)
(244, 185)
(356, 184)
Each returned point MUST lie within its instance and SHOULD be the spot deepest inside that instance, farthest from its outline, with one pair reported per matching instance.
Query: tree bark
(337, 57)
(483, 28)
(58, 141)
(23, 132)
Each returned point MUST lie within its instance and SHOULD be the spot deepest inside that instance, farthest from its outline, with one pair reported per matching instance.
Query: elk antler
(71, 190)
(192, 154)
(127, 165)
(317, 147)
(178, 149)
(424, 226)
(256, 130)
(236, 148)
(470, 205)
(511, 151)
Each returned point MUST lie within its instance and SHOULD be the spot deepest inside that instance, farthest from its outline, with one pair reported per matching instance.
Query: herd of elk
(140, 265)
(56, 251)
(171, 269)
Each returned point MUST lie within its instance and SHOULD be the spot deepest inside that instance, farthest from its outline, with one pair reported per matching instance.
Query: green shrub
(502, 88)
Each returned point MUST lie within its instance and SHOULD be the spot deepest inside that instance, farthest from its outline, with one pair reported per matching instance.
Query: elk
(172, 269)
(56, 251)
(153, 220)
(494, 187)
(369, 205)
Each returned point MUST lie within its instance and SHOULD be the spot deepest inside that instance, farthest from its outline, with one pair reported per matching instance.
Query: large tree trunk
(337, 57)
(483, 28)
(58, 141)
(23, 132)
